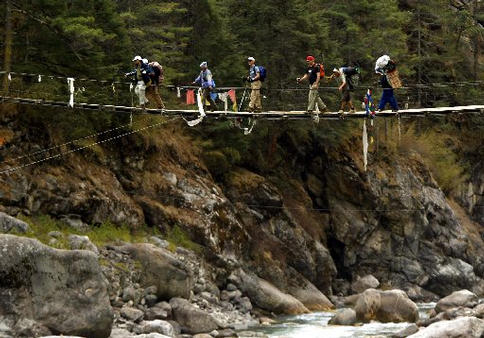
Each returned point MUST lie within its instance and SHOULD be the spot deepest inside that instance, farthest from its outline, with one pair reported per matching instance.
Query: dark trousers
(206, 95)
(388, 97)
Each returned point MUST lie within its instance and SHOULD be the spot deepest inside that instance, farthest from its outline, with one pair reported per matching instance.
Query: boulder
(77, 242)
(385, 306)
(265, 295)
(479, 311)
(191, 319)
(12, 224)
(411, 329)
(62, 290)
(161, 269)
(131, 314)
(363, 283)
(344, 317)
(463, 298)
(463, 327)
(158, 326)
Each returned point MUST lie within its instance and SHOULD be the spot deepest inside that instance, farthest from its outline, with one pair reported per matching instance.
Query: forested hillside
(432, 41)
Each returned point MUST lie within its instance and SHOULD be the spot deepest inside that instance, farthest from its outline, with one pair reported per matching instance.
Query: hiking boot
(316, 118)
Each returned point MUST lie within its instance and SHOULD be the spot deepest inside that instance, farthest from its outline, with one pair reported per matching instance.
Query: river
(315, 325)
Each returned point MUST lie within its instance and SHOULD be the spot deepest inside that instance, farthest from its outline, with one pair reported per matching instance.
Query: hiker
(254, 78)
(313, 74)
(343, 75)
(142, 79)
(205, 80)
(154, 70)
(384, 66)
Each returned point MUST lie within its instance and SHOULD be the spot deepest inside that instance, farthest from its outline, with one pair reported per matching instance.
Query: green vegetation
(178, 237)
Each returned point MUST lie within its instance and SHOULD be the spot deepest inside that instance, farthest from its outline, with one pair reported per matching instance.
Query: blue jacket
(205, 79)
(145, 71)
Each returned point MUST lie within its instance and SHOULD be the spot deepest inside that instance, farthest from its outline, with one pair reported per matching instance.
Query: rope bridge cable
(13, 169)
(416, 85)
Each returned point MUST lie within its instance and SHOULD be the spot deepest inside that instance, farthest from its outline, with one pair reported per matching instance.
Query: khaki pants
(314, 100)
(153, 95)
(255, 104)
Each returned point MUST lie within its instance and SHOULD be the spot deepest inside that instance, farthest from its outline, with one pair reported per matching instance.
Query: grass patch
(178, 237)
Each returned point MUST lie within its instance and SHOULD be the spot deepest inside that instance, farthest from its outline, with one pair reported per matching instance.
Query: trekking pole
(243, 98)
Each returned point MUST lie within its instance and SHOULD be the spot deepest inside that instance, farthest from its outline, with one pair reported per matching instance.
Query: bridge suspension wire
(138, 130)
(113, 81)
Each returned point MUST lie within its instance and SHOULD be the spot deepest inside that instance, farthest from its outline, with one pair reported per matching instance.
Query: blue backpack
(262, 73)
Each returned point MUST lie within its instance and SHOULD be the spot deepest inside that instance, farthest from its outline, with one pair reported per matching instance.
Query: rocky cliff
(289, 238)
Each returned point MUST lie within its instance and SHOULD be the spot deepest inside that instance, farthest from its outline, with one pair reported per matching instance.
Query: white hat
(204, 64)
(251, 58)
(145, 60)
(137, 58)
(336, 70)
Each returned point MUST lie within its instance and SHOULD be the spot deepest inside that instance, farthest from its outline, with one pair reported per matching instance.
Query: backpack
(350, 71)
(158, 69)
(353, 76)
(321, 70)
(262, 73)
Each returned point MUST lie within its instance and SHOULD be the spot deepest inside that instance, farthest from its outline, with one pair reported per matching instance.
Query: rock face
(161, 269)
(267, 296)
(385, 306)
(191, 319)
(63, 290)
(463, 327)
(463, 298)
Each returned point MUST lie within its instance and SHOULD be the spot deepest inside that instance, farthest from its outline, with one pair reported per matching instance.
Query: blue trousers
(388, 97)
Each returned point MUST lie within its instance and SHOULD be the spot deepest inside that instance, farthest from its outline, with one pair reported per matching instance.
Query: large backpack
(158, 69)
(262, 73)
(321, 70)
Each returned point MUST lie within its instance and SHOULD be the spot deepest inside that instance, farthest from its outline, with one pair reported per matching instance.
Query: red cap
(310, 58)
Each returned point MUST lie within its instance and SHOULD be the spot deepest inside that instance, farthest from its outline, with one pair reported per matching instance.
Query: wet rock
(226, 333)
(363, 283)
(150, 300)
(244, 305)
(463, 298)
(160, 268)
(409, 330)
(267, 296)
(131, 314)
(385, 306)
(62, 290)
(158, 326)
(191, 319)
(12, 224)
(479, 311)
(463, 327)
(344, 317)
(77, 242)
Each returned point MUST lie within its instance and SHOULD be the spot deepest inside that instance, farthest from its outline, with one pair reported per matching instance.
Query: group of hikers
(149, 75)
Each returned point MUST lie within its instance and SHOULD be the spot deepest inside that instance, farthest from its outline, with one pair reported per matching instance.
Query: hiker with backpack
(314, 74)
(142, 79)
(385, 67)
(156, 74)
(205, 80)
(255, 78)
(344, 76)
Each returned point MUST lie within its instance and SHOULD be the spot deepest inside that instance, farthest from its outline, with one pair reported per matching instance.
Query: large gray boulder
(265, 295)
(463, 298)
(161, 269)
(463, 327)
(64, 291)
(191, 319)
(12, 224)
(364, 283)
(385, 306)
(343, 317)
